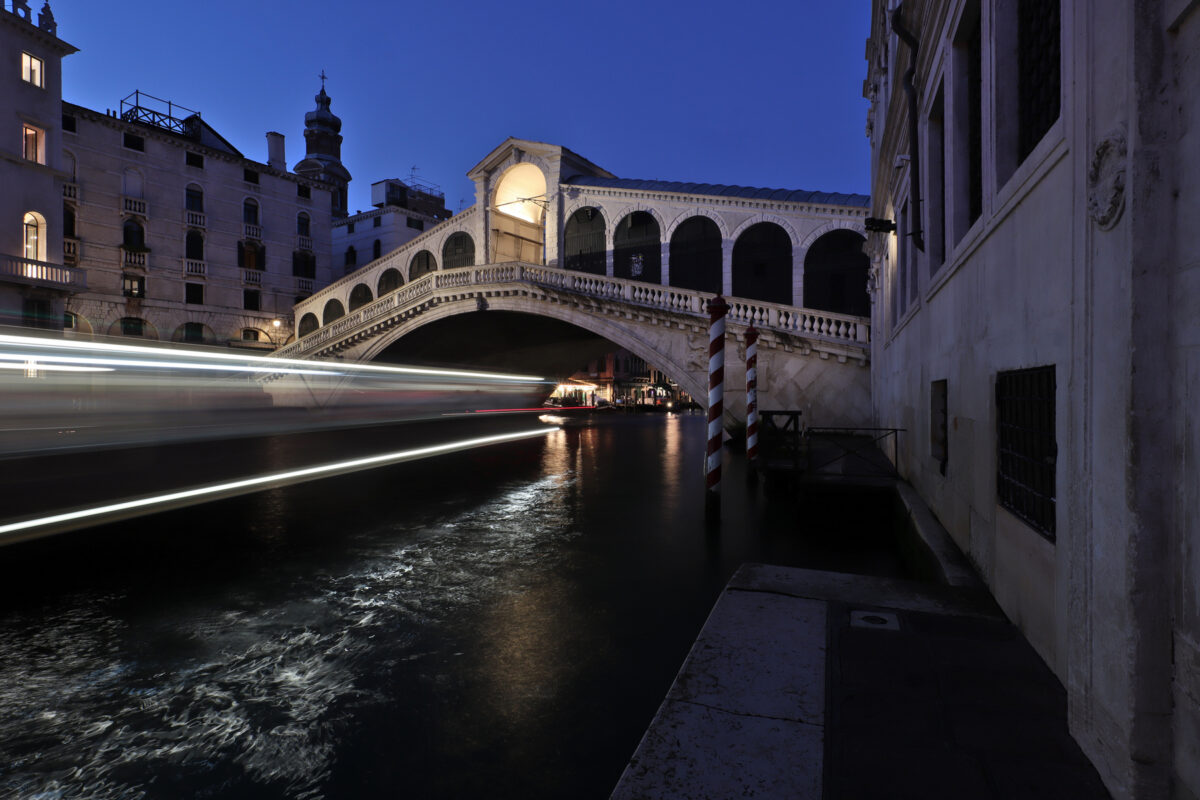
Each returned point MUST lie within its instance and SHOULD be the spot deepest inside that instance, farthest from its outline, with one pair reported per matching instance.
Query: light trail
(47, 362)
(265, 363)
(40, 366)
(57, 523)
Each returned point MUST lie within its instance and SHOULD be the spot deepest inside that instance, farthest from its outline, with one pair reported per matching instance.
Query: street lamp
(275, 326)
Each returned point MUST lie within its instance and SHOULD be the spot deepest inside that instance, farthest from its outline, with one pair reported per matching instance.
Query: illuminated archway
(518, 217)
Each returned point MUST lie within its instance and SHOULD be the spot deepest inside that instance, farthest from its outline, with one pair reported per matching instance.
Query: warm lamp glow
(522, 193)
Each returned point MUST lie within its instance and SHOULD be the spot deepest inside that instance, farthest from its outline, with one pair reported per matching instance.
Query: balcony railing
(196, 219)
(304, 284)
(39, 273)
(133, 258)
(253, 277)
(71, 191)
(304, 243)
(134, 205)
(194, 268)
(70, 250)
(253, 231)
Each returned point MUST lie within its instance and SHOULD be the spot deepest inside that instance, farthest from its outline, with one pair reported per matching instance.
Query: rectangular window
(193, 200)
(193, 332)
(303, 191)
(966, 126)
(32, 140)
(193, 159)
(250, 176)
(936, 183)
(418, 224)
(939, 433)
(1026, 449)
(251, 299)
(250, 335)
(134, 142)
(901, 287)
(193, 293)
(1039, 78)
(378, 222)
(68, 123)
(33, 70)
(36, 313)
(134, 286)
(132, 326)
(350, 228)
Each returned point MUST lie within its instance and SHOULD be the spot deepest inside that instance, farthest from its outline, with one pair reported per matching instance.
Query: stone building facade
(1034, 288)
(402, 212)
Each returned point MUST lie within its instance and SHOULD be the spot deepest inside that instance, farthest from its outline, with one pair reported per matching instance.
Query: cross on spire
(323, 78)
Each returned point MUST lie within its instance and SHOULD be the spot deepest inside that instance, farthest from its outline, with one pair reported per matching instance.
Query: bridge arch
(585, 241)
(458, 250)
(333, 312)
(422, 263)
(637, 247)
(835, 273)
(389, 281)
(763, 263)
(696, 255)
(360, 295)
(308, 324)
(684, 216)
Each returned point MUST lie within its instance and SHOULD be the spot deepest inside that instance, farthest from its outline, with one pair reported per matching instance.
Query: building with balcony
(35, 283)
(1035, 280)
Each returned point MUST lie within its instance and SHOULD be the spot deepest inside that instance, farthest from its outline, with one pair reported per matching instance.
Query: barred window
(1038, 72)
(1026, 449)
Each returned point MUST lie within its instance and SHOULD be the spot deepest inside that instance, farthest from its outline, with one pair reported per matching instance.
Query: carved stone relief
(1106, 179)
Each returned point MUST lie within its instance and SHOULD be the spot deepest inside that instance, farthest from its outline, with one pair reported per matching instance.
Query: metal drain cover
(876, 620)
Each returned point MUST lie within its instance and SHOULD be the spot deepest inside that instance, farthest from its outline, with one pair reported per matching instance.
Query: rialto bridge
(554, 236)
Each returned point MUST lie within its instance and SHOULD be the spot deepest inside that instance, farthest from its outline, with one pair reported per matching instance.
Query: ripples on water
(96, 704)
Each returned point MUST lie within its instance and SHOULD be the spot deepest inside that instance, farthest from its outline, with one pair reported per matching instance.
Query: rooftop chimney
(275, 157)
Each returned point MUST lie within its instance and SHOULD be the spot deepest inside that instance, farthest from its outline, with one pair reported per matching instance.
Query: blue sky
(754, 93)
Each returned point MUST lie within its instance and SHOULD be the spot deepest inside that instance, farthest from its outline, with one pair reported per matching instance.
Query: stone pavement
(809, 684)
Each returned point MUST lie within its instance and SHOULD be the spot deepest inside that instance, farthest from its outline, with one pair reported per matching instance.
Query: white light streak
(41, 366)
(264, 363)
(47, 362)
(96, 513)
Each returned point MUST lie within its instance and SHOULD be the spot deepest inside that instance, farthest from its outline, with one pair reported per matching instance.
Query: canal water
(502, 622)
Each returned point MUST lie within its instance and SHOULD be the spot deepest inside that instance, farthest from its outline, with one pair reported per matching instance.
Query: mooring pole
(752, 403)
(717, 308)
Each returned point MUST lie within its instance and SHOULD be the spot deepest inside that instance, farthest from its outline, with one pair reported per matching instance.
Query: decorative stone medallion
(1106, 180)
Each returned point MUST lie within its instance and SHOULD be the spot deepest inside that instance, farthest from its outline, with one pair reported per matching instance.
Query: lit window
(33, 70)
(32, 144)
(134, 286)
(33, 237)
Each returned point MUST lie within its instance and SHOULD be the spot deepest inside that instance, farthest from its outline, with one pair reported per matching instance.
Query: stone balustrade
(195, 219)
(40, 273)
(194, 268)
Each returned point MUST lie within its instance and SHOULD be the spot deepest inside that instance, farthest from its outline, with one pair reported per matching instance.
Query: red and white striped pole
(751, 400)
(717, 308)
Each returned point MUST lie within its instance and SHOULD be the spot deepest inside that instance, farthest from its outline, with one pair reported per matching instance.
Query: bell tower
(323, 144)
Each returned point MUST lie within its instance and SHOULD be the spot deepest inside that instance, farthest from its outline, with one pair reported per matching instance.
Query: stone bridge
(815, 361)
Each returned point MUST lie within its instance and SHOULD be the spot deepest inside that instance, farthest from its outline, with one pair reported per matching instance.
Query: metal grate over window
(1038, 72)
(1026, 450)
(975, 122)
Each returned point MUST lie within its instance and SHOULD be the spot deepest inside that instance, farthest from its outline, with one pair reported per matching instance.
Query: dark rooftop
(721, 190)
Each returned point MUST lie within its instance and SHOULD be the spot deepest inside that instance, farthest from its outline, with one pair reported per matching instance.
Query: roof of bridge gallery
(722, 190)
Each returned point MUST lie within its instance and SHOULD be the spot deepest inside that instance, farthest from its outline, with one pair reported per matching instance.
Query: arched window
(131, 183)
(696, 255)
(251, 255)
(583, 242)
(250, 211)
(351, 256)
(333, 311)
(303, 225)
(194, 246)
(637, 253)
(308, 324)
(762, 264)
(34, 236)
(133, 235)
(422, 263)
(377, 248)
(69, 164)
(194, 198)
(835, 274)
(304, 264)
(360, 295)
(389, 281)
(459, 251)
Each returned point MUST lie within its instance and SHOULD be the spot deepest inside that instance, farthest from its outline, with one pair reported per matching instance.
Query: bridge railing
(770, 316)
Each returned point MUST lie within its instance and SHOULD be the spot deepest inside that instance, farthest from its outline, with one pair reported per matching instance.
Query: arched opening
(133, 326)
(519, 215)
(303, 225)
(637, 253)
(835, 274)
(583, 242)
(193, 198)
(196, 332)
(360, 295)
(376, 248)
(69, 164)
(76, 324)
(131, 183)
(422, 263)
(253, 335)
(389, 281)
(194, 246)
(34, 236)
(333, 311)
(250, 211)
(762, 264)
(459, 251)
(696, 255)
(252, 255)
(133, 236)
(308, 324)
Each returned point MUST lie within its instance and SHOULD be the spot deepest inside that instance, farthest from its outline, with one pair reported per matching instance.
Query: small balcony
(70, 250)
(253, 277)
(304, 243)
(304, 285)
(195, 219)
(195, 269)
(71, 191)
(253, 231)
(134, 205)
(133, 258)
(15, 269)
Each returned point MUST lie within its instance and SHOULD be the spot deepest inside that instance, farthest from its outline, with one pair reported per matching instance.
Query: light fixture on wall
(877, 225)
